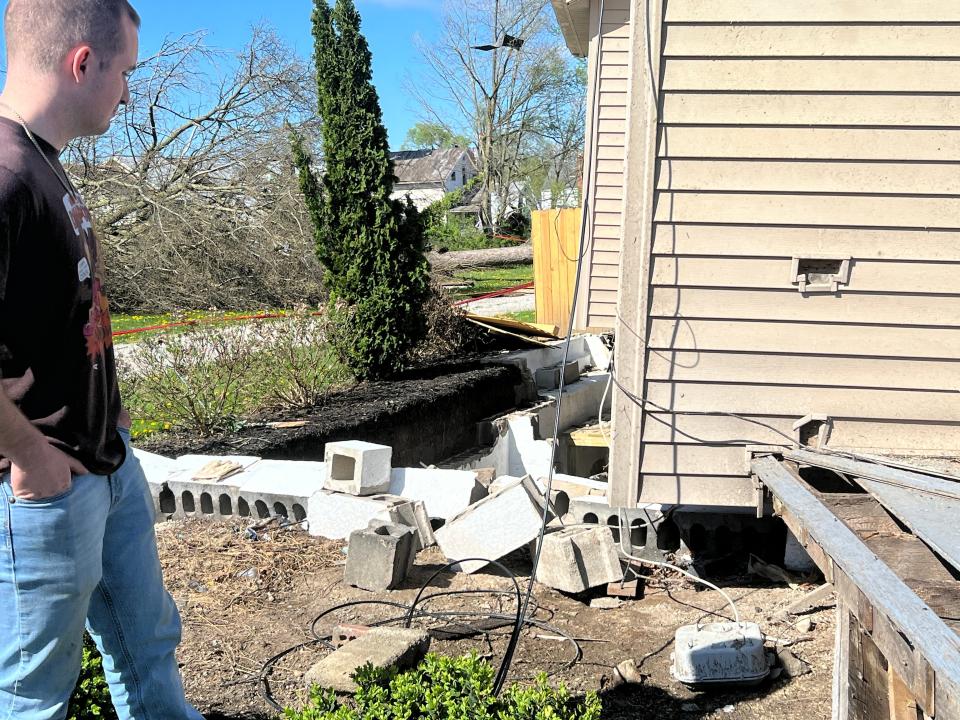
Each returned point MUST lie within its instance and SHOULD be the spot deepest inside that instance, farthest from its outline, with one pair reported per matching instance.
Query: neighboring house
(425, 176)
(773, 203)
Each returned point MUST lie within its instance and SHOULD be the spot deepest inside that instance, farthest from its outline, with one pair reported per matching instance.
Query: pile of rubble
(389, 514)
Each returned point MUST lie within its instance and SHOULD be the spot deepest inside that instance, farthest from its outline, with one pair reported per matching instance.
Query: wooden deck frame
(921, 648)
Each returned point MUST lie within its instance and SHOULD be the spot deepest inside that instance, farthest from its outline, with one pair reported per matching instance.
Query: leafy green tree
(370, 245)
(432, 136)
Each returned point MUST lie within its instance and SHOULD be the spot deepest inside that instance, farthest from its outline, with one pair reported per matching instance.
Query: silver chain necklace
(67, 185)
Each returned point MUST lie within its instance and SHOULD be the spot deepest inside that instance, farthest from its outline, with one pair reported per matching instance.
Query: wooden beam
(904, 628)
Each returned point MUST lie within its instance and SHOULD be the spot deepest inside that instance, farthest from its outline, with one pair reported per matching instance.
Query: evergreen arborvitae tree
(371, 246)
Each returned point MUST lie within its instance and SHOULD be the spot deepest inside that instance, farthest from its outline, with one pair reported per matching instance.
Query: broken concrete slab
(493, 527)
(446, 493)
(335, 515)
(382, 647)
(157, 468)
(576, 559)
(413, 513)
(182, 496)
(380, 556)
(357, 468)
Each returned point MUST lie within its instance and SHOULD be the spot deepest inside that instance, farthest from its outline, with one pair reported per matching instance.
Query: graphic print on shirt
(79, 215)
(97, 332)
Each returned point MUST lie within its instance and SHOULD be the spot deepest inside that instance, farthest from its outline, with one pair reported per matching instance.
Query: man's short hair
(42, 32)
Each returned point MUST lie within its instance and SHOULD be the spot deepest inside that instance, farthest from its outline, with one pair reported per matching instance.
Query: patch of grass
(524, 316)
(488, 280)
(121, 321)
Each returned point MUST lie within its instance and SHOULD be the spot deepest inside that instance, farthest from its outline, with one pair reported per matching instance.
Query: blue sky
(389, 25)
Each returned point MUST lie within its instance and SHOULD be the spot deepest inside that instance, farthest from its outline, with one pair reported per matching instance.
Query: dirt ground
(245, 598)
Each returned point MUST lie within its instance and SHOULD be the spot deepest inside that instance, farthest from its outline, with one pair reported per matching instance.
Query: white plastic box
(719, 654)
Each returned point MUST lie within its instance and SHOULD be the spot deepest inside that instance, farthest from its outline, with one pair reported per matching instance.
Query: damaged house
(773, 234)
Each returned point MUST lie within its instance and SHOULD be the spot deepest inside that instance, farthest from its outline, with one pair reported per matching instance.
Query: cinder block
(548, 378)
(649, 530)
(493, 527)
(445, 493)
(383, 647)
(380, 556)
(413, 513)
(335, 515)
(576, 559)
(357, 468)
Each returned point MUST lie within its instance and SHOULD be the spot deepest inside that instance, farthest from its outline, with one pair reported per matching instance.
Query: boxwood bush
(446, 689)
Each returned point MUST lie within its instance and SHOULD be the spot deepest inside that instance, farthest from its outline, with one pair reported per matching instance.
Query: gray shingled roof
(425, 166)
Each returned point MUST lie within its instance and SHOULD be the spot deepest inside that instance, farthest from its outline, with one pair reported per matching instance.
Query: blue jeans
(88, 556)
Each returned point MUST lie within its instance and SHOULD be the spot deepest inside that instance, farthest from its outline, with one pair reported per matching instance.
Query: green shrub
(446, 689)
(91, 698)
(371, 245)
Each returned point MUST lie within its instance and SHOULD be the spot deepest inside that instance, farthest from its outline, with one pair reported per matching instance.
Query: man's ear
(79, 60)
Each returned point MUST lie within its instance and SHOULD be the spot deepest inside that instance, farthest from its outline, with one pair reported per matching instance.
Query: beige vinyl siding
(610, 56)
(814, 129)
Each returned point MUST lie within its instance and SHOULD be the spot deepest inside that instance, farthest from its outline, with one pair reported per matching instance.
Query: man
(76, 517)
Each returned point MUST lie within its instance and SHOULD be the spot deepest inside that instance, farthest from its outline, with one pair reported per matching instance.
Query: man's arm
(38, 469)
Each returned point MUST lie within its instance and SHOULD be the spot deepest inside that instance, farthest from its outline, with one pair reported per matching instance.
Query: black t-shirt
(56, 346)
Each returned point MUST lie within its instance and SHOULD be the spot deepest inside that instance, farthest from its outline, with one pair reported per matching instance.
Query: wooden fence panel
(556, 244)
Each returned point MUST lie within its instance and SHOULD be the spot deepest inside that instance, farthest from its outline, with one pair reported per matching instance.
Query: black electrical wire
(412, 611)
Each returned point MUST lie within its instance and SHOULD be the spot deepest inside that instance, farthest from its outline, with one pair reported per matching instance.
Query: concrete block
(383, 647)
(445, 493)
(413, 513)
(548, 378)
(357, 468)
(795, 556)
(649, 530)
(576, 559)
(335, 515)
(493, 527)
(380, 556)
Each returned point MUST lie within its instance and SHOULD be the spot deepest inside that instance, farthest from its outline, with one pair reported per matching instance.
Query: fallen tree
(470, 259)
